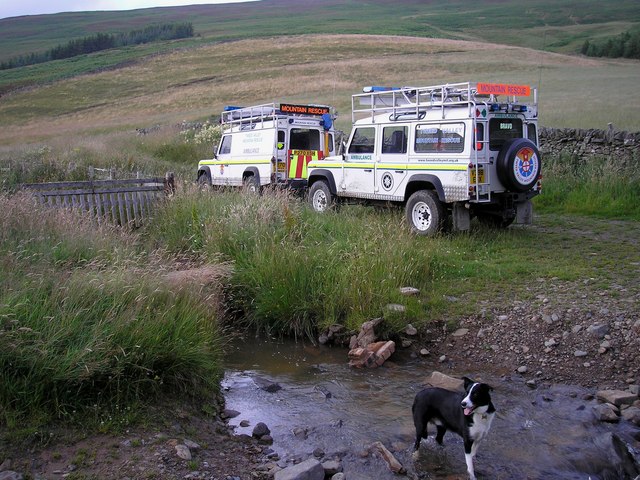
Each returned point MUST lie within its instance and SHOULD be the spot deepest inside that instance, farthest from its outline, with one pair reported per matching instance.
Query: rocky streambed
(319, 411)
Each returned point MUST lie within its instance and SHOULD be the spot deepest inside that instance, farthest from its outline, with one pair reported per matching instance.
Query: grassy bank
(296, 272)
(89, 328)
(604, 187)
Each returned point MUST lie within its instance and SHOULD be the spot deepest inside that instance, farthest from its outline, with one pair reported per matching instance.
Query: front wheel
(320, 197)
(425, 213)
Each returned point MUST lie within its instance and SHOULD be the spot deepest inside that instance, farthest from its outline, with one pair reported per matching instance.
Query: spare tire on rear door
(518, 164)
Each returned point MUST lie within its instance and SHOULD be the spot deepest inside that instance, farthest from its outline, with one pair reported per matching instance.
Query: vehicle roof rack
(401, 102)
(255, 116)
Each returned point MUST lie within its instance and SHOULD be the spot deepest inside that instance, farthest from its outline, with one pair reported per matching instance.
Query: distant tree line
(625, 45)
(103, 41)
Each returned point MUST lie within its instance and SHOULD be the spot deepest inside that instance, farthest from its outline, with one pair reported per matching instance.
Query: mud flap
(461, 217)
(524, 212)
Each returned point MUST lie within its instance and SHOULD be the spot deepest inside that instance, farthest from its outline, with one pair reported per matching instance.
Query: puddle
(323, 404)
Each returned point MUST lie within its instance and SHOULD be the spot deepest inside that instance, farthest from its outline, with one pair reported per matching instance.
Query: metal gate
(121, 202)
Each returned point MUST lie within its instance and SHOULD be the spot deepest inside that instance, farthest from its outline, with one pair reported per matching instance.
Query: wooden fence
(122, 202)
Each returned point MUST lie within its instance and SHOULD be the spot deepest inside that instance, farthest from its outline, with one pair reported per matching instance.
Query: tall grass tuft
(98, 340)
(606, 187)
(296, 271)
(34, 237)
(88, 321)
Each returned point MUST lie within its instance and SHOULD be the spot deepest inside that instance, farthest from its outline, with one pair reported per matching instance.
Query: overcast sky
(15, 8)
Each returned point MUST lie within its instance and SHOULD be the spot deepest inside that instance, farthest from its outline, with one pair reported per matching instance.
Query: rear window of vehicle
(503, 129)
(304, 139)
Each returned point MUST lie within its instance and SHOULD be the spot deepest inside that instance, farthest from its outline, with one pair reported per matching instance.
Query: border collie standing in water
(468, 414)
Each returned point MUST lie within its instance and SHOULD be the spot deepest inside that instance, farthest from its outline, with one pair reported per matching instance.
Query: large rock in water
(308, 470)
(616, 397)
(441, 380)
(371, 356)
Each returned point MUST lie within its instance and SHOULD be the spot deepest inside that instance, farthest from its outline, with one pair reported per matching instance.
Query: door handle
(399, 171)
(368, 170)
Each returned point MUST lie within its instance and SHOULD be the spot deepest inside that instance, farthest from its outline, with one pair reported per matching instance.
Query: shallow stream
(323, 404)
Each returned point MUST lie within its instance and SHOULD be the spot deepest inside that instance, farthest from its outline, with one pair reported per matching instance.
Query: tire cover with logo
(519, 164)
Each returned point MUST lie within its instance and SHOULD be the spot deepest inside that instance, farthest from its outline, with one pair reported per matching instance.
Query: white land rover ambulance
(464, 149)
(269, 144)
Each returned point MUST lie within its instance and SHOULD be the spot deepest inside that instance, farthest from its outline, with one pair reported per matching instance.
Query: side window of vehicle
(394, 139)
(225, 145)
(281, 139)
(531, 133)
(331, 144)
(363, 140)
(439, 138)
(503, 129)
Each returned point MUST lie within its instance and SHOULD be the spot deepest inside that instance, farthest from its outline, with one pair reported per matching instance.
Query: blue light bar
(378, 89)
(230, 108)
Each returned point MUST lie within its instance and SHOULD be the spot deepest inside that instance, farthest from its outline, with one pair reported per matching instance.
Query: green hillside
(250, 52)
(544, 24)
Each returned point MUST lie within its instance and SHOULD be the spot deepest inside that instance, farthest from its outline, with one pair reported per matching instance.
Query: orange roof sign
(304, 109)
(504, 89)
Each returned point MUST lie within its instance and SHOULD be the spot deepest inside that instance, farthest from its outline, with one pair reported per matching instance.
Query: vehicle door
(391, 167)
(304, 146)
(359, 164)
(281, 155)
(220, 172)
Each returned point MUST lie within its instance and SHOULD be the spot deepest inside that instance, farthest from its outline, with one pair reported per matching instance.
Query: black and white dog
(468, 414)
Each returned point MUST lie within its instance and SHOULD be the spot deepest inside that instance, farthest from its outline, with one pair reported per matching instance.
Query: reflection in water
(323, 404)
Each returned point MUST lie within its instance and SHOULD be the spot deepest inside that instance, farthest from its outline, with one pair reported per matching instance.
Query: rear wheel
(251, 184)
(320, 197)
(204, 181)
(425, 213)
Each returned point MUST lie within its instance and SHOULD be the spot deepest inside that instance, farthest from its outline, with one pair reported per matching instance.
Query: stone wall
(589, 143)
